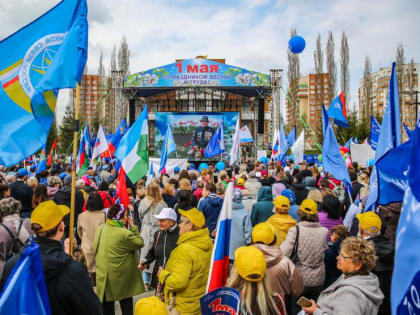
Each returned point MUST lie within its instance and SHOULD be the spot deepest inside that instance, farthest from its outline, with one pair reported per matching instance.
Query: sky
(251, 34)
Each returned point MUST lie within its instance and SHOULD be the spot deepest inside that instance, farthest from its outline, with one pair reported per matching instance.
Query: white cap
(286, 169)
(258, 174)
(167, 213)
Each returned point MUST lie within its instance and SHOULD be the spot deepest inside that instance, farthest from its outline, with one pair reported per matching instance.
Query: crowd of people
(295, 232)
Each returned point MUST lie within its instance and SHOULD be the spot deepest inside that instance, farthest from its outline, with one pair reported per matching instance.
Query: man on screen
(202, 136)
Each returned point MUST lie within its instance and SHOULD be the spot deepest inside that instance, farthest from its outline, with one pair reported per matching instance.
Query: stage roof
(197, 72)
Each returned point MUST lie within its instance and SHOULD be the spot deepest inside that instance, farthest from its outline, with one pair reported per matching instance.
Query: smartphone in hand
(304, 302)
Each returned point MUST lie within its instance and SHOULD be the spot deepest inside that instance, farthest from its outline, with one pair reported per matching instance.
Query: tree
(344, 62)
(293, 75)
(331, 69)
(367, 90)
(65, 137)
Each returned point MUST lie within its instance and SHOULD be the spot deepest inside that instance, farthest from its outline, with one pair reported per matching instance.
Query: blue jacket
(241, 228)
(211, 206)
(263, 208)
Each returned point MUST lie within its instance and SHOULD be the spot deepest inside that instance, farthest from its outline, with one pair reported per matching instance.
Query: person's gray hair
(9, 206)
(53, 180)
(10, 178)
(80, 183)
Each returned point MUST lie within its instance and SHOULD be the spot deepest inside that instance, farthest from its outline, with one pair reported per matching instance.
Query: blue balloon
(297, 44)
(203, 166)
(263, 159)
(220, 166)
(371, 162)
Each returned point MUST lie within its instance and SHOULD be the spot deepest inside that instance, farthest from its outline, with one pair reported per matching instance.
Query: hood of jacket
(265, 194)
(199, 239)
(385, 251)
(282, 221)
(309, 181)
(298, 186)
(367, 284)
(214, 200)
(273, 254)
(54, 259)
(238, 205)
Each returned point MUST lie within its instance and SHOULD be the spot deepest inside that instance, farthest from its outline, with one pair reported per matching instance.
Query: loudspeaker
(131, 111)
(260, 116)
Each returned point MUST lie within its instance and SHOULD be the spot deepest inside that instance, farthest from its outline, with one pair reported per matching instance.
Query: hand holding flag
(216, 144)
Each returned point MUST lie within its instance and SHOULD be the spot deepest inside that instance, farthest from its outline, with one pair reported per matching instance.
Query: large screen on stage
(193, 131)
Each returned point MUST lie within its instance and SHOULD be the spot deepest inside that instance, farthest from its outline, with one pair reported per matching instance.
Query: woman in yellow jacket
(185, 277)
(281, 221)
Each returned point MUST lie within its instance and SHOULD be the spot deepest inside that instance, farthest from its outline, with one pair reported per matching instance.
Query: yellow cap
(48, 214)
(250, 263)
(195, 216)
(240, 182)
(150, 305)
(282, 202)
(370, 221)
(309, 206)
(263, 232)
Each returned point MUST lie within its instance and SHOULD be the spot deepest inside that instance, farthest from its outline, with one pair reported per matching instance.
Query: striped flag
(100, 146)
(245, 135)
(82, 161)
(133, 149)
(219, 266)
(234, 152)
(51, 156)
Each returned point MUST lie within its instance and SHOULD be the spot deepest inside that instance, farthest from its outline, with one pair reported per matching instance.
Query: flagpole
(73, 169)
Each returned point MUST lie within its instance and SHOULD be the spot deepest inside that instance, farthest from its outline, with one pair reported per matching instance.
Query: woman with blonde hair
(149, 206)
(168, 195)
(363, 179)
(185, 185)
(316, 196)
(248, 277)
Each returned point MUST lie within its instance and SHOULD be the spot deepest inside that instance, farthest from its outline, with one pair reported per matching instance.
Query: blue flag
(168, 147)
(390, 135)
(356, 141)
(410, 133)
(42, 165)
(284, 143)
(337, 110)
(332, 161)
(44, 56)
(291, 137)
(216, 144)
(25, 291)
(347, 144)
(325, 119)
(375, 130)
(392, 170)
(406, 276)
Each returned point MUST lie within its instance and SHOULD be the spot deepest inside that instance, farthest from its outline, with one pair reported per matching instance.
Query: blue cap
(33, 167)
(62, 175)
(105, 167)
(290, 195)
(22, 172)
(176, 169)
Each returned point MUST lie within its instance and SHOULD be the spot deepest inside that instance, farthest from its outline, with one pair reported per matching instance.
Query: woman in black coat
(338, 234)
(164, 241)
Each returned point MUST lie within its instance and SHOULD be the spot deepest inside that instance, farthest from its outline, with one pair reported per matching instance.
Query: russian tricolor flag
(219, 266)
(115, 140)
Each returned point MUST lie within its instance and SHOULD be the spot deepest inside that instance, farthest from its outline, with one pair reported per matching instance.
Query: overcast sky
(252, 34)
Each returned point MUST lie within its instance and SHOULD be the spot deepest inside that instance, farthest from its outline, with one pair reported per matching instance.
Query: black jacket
(62, 197)
(163, 244)
(22, 192)
(68, 285)
(385, 250)
(332, 273)
(170, 200)
(301, 192)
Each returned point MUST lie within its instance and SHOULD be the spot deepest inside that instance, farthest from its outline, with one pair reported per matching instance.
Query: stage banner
(192, 132)
(361, 153)
(197, 72)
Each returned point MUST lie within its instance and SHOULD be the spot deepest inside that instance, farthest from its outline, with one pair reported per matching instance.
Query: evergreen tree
(65, 137)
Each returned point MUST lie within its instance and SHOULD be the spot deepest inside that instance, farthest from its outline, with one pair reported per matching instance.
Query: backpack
(17, 245)
(339, 191)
